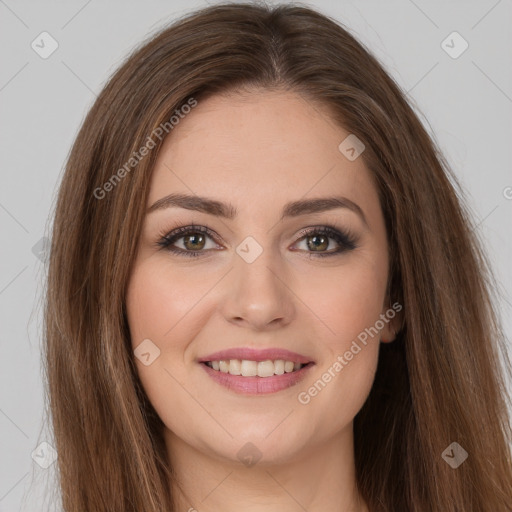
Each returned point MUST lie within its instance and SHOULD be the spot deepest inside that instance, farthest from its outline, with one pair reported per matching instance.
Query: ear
(387, 335)
(392, 318)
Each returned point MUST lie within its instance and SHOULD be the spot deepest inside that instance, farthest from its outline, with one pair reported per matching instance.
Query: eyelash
(344, 239)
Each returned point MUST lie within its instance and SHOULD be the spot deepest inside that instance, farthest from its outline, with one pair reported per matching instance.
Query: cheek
(157, 303)
(344, 378)
(160, 308)
(347, 299)
(154, 311)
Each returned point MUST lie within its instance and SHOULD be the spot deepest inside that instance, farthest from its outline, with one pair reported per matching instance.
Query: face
(263, 279)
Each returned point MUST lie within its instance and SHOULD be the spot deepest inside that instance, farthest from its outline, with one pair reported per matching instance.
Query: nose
(257, 294)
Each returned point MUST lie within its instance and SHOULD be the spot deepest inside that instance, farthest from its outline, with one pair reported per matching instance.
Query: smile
(247, 368)
(255, 377)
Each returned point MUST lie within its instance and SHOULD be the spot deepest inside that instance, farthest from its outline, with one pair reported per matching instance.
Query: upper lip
(252, 354)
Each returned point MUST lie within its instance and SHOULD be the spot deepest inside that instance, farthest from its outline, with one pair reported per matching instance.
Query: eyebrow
(228, 211)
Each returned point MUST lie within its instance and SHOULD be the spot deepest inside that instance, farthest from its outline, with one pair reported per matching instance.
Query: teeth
(247, 368)
(235, 367)
(265, 369)
(279, 367)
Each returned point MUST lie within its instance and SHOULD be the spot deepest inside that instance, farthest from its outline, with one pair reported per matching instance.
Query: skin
(260, 150)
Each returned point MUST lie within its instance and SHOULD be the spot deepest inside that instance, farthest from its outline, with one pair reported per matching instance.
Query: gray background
(465, 103)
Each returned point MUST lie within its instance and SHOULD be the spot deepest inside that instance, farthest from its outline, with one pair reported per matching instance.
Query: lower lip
(257, 385)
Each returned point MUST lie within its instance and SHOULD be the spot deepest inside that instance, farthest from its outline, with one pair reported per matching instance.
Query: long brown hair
(440, 381)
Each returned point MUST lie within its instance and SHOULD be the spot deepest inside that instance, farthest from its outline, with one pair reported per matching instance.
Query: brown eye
(194, 242)
(189, 241)
(318, 240)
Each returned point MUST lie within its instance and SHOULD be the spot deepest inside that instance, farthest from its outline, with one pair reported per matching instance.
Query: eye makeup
(315, 236)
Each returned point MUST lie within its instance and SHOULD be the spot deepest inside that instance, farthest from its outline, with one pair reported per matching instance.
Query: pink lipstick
(256, 371)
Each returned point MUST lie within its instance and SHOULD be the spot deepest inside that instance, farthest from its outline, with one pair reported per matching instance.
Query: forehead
(258, 150)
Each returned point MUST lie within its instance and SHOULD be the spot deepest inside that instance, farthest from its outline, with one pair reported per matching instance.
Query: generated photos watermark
(304, 397)
(158, 133)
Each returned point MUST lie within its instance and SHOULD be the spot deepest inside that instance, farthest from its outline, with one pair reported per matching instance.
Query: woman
(264, 291)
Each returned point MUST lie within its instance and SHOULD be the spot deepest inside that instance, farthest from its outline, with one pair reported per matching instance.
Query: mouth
(248, 368)
(250, 371)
